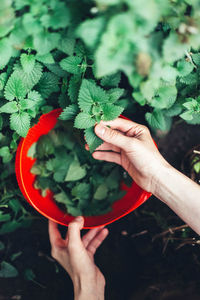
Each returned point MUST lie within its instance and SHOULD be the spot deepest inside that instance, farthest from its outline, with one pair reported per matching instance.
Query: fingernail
(79, 218)
(100, 129)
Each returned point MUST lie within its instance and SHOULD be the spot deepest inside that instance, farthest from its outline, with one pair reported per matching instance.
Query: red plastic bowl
(134, 197)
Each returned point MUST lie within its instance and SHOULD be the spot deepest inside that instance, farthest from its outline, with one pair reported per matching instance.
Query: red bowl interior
(134, 197)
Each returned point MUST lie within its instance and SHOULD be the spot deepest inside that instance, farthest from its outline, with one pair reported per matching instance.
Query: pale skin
(130, 145)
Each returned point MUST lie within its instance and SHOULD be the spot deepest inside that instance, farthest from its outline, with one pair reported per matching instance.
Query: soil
(136, 266)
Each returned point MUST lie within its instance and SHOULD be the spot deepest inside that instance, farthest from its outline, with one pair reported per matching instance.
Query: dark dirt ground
(135, 268)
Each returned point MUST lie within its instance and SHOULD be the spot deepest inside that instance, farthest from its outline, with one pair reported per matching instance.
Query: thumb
(73, 233)
(111, 136)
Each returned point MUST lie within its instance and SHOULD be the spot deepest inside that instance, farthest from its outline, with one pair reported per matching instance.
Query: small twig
(139, 233)
(165, 245)
(190, 58)
(196, 152)
(170, 230)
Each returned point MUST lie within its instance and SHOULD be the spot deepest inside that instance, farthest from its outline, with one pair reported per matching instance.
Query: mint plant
(93, 59)
(80, 185)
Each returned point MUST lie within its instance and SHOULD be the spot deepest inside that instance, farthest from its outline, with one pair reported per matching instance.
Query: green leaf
(90, 93)
(72, 64)
(173, 49)
(9, 108)
(46, 58)
(34, 96)
(20, 122)
(84, 120)
(196, 59)
(5, 154)
(165, 97)
(92, 140)
(187, 115)
(90, 30)
(44, 42)
(197, 167)
(7, 270)
(75, 172)
(184, 68)
(69, 112)
(157, 120)
(111, 80)
(137, 96)
(101, 192)
(29, 79)
(48, 84)
(115, 94)
(29, 275)
(81, 191)
(15, 88)
(27, 62)
(5, 52)
(111, 112)
(63, 198)
(74, 87)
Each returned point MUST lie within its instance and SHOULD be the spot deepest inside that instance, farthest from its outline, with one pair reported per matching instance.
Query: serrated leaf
(14, 88)
(157, 120)
(90, 93)
(84, 120)
(111, 80)
(75, 172)
(187, 115)
(74, 87)
(27, 62)
(7, 270)
(9, 108)
(92, 140)
(173, 49)
(137, 96)
(46, 58)
(44, 42)
(72, 64)
(115, 94)
(20, 122)
(196, 58)
(29, 79)
(69, 112)
(111, 112)
(34, 96)
(48, 84)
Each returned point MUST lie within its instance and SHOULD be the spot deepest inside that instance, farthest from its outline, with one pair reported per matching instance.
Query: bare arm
(131, 146)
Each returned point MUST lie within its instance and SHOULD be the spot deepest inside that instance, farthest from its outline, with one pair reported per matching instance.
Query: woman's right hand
(130, 145)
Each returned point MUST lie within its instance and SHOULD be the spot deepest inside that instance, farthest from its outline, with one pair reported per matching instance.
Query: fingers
(54, 233)
(73, 234)
(105, 146)
(130, 128)
(108, 156)
(97, 241)
(86, 239)
(120, 124)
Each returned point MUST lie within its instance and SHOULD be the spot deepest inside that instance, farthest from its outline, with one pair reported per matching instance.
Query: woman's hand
(131, 146)
(76, 256)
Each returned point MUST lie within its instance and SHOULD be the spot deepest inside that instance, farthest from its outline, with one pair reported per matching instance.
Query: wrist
(85, 288)
(160, 177)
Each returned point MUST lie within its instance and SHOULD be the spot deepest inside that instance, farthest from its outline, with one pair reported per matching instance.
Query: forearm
(180, 193)
(85, 290)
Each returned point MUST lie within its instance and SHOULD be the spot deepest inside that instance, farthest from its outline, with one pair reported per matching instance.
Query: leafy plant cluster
(94, 59)
(82, 185)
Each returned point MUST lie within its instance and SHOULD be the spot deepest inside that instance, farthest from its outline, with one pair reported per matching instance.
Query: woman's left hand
(76, 256)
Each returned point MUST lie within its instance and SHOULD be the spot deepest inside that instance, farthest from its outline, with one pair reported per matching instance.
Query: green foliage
(81, 185)
(93, 59)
